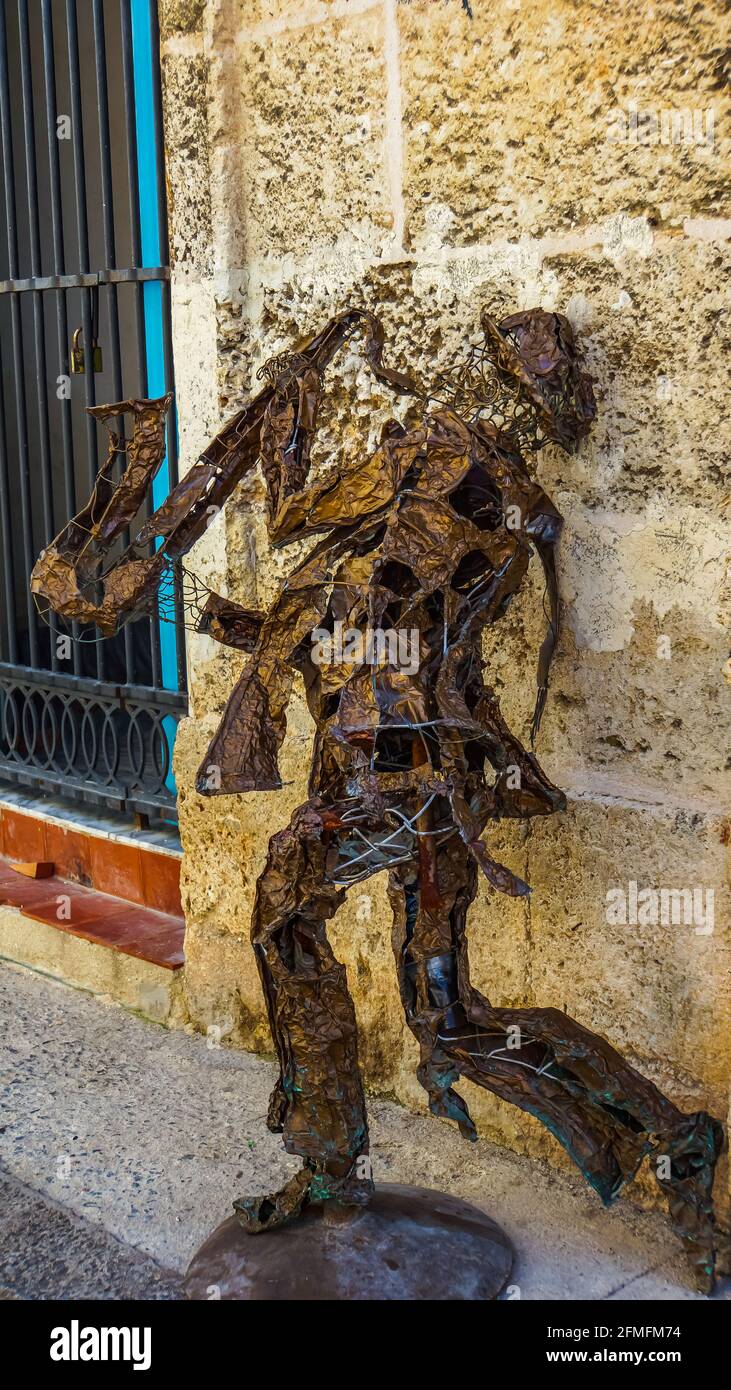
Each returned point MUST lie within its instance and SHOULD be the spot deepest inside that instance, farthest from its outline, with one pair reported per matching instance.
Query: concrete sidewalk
(47, 1252)
(140, 1138)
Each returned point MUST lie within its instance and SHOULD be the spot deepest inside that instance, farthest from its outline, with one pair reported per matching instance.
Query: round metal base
(409, 1243)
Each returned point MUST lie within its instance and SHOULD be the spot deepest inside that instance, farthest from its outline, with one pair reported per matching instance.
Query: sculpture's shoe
(607, 1140)
(259, 1214)
(313, 1184)
(690, 1155)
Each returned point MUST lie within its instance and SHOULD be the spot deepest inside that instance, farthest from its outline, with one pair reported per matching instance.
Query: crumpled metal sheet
(227, 622)
(67, 573)
(431, 534)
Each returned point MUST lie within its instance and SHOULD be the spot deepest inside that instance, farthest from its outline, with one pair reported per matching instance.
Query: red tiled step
(142, 875)
(126, 927)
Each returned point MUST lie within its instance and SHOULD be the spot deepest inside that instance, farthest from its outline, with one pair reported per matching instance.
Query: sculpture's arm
(537, 353)
(230, 623)
(277, 427)
(68, 576)
(544, 528)
(296, 508)
(541, 522)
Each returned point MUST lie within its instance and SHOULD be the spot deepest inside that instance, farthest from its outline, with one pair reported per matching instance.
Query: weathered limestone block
(185, 90)
(638, 695)
(274, 14)
(225, 841)
(311, 181)
(659, 991)
(662, 428)
(194, 338)
(512, 117)
(180, 17)
(652, 311)
(222, 989)
(235, 349)
(221, 982)
(647, 724)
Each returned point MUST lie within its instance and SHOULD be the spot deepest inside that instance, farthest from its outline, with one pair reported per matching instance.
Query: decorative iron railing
(107, 744)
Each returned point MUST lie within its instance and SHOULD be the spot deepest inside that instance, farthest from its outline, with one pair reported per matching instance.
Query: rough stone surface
(512, 116)
(185, 79)
(180, 17)
(146, 1136)
(429, 165)
(303, 174)
(47, 1252)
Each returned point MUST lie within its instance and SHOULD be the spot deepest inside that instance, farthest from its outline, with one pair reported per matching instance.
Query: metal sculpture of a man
(421, 546)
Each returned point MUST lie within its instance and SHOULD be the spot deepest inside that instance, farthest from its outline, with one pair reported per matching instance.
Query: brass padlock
(78, 357)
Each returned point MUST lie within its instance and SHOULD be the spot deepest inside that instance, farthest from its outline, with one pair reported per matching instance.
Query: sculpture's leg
(424, 946)
(318, 1102)
(607, 1116)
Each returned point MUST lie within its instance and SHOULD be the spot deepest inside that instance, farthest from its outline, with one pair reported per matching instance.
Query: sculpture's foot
(311, 1184)
(691, 1154)
(258, 1214)
(407, 1244)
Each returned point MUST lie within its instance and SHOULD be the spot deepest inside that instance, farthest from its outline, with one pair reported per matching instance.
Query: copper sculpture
(430, 535)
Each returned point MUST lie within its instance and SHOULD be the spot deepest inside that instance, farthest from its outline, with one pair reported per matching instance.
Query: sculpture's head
(536, 353)
(524, 382)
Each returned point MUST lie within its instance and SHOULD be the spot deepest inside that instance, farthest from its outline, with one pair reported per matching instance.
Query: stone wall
(431, 158)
